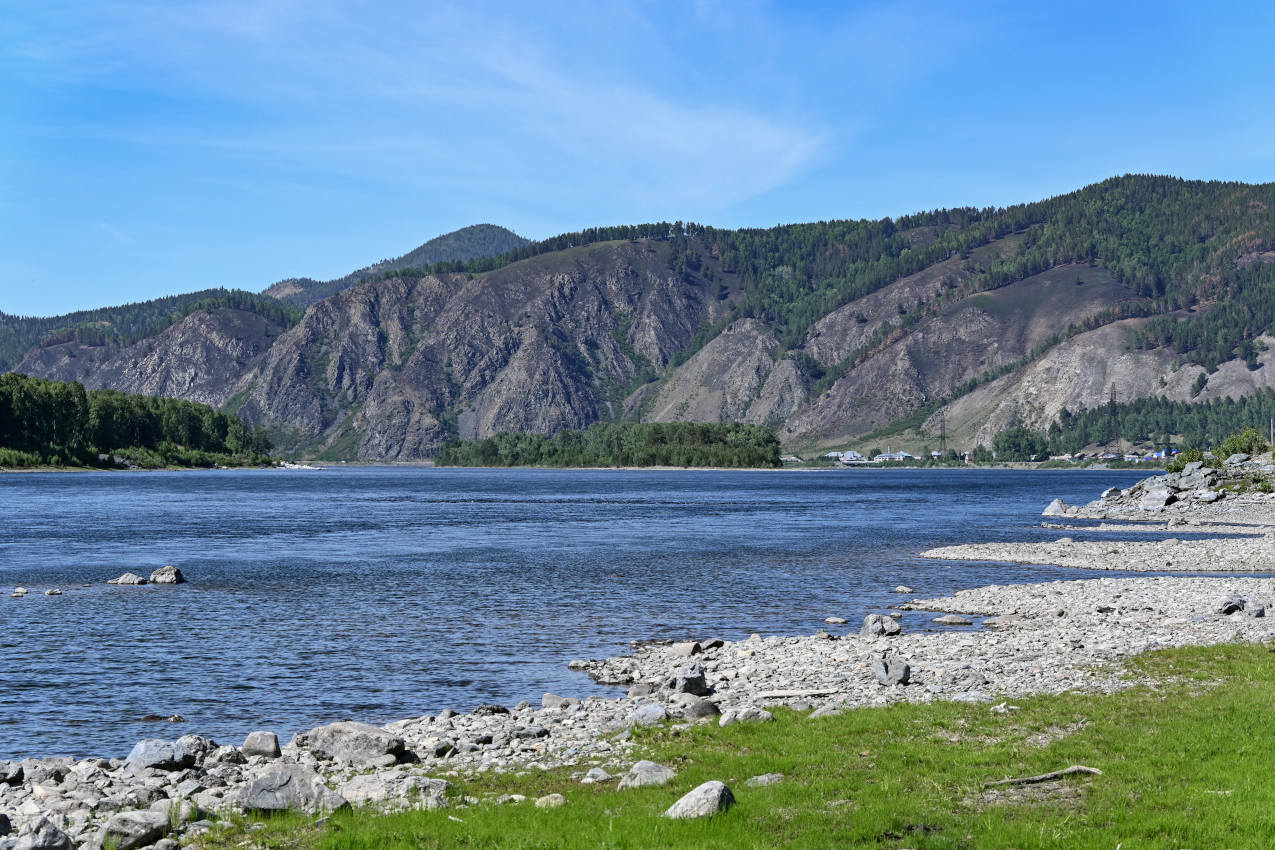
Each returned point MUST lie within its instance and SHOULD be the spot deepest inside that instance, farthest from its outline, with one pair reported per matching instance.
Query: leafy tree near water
(56, 423)
(615, 444)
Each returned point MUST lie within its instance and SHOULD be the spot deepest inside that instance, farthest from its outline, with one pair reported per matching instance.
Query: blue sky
(149, 148)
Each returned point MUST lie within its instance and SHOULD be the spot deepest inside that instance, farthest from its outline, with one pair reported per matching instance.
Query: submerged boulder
(127, 578)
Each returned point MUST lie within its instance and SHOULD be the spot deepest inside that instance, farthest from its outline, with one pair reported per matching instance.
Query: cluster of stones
(1196, 485)
(1038, 638)
(163, 575)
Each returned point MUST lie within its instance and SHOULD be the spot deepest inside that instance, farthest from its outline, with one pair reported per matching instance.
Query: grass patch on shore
(1185, 763)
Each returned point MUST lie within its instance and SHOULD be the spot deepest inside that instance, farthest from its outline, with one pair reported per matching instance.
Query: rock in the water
(53, 591)
(127, 578)
(646, 773)
(875, 625)
(709, 799)
(282, 787)
(161, 755)
(44, 836)
(649, 715)
(1055, 508)
(903, 588)
(835, 621)
(167, 575)
(689, 680)
(127, 830)
(261, 744)
(891, 671)
(953, 620)
(356, 743)
(550, 801)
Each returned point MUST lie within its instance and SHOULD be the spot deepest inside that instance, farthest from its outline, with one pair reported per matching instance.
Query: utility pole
(942, 433)
(1112, 431)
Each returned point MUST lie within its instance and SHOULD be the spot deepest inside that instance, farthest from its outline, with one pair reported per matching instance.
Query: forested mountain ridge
(468, 243)
(828, 331)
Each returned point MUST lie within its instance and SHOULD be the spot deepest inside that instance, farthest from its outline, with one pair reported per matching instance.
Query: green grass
(1185, 763)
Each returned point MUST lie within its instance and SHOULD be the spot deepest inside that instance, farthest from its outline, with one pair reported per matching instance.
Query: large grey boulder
(1157, 497)
(357, 744)
(1055, 508)
(690, 679)
(44, 836)
(1237, 458)
(160, 755)
(646, 773)
(876, 625)
(698, 708)
(168, 575)
(261, 744)
(891, 671)
(746, 714)
(383, 787)
(127, 830)
(709, 799)
(953, 620)
(283, 787)
(650, 714)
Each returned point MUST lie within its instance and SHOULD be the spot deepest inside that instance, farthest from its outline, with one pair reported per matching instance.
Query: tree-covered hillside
(129, 323)
(1179, 243)
(468, 243)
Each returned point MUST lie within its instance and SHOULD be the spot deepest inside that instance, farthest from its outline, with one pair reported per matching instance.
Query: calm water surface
(382, 593)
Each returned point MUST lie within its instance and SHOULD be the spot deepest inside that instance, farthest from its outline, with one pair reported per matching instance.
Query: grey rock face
(355, 743)
(283, 787)
(128, 830)
(161, 755)
(709, 799)
(167, 575)
(261, 743)
(646, 773)
(891, 671)
(44, 836)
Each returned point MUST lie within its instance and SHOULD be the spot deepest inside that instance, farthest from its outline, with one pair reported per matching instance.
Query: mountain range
(962, 321)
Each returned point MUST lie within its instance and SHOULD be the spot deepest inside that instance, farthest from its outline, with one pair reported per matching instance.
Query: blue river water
(377, 593)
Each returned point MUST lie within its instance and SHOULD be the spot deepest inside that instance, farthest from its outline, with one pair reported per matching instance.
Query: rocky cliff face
(390, 369)
(206, 357)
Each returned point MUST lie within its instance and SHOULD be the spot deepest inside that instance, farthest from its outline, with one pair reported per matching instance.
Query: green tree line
(57, 423)
(623, 444)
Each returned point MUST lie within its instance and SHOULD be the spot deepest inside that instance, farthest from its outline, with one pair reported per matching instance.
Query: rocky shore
(989, 645)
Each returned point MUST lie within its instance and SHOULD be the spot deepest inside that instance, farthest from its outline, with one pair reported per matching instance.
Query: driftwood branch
(1045, 777)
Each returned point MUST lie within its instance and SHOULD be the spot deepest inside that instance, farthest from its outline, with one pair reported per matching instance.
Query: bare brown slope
(971, 337)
